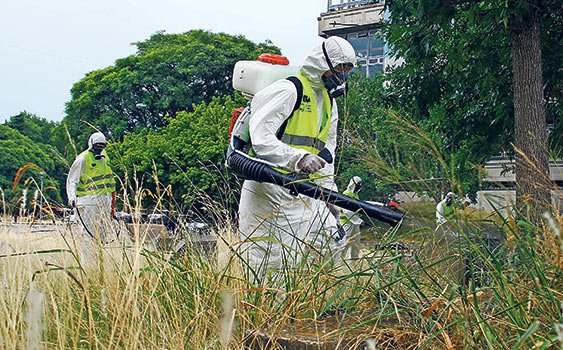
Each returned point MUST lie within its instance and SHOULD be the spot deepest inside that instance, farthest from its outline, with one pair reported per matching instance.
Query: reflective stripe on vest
(96, 177)
(303, 130)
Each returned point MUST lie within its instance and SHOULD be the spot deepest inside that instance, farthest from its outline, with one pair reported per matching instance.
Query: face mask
(336, 84)
(358, 188)
(98, 152)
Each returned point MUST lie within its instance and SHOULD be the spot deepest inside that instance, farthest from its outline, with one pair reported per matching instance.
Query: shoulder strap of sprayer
(299, 87)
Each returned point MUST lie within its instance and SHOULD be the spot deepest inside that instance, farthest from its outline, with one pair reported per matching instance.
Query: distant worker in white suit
(90, 188)
(280, 229)
(445, 209)
(351, 220)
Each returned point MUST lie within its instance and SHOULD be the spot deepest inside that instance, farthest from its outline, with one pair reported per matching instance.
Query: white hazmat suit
(94, 210)
(351, 220)
(445, 212)
(278, 228)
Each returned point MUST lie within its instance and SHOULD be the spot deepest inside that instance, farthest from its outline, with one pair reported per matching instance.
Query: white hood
(339, 51)
(355, 181)
(96, 137)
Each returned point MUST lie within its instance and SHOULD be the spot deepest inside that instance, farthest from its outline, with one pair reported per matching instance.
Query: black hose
(88, 231)
(83, 223)
(299, 183)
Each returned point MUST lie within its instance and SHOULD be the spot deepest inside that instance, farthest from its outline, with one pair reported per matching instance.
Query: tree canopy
(30, 139)
(187, 154)
(459, 76)
(168, 74)
(389, 148)
(36, 128)
(18, 151)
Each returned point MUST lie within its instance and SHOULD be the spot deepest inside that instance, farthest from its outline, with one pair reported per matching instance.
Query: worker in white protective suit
(90, 188)
(280, 229)
(445, 209)
(350, 220)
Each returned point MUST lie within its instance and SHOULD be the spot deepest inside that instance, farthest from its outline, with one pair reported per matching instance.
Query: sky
(48, 45)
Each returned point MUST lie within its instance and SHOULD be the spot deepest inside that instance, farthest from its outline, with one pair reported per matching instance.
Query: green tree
(187, 154)
(168, 74)
(382, 144)
(46, 135)
(18, 151)
(360, 125)
(473, 69)
(36, 128)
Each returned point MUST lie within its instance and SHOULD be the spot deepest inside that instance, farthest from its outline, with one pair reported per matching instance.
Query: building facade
(499, 183)
(359, 22)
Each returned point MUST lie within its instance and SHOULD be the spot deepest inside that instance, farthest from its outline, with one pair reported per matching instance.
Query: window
(359, 44)
(370, 51)
(375, 69)
(375, 44)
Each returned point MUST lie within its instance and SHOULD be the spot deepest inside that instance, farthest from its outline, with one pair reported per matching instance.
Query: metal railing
(334, 5)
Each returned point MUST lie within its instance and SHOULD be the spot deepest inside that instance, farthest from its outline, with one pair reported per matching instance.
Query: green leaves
(188, 153)
(168, 74)
(17, 151)
(456, 81)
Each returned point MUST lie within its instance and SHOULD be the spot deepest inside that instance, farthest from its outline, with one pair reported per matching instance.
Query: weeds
(488, 283)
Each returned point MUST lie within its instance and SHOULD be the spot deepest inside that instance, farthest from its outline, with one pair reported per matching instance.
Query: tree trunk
(532, 168)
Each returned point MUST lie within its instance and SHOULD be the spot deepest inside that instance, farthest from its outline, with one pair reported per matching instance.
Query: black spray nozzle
(299, 183)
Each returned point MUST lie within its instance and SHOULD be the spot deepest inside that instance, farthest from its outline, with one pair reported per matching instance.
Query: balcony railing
(335, 5)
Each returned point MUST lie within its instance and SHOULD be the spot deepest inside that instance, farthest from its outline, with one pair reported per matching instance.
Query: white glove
(310, 163)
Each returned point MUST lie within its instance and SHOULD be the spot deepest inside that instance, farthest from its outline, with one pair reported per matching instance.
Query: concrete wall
(503, 200)
(500, 199)
(501, 169)
(346, 20)
(411, 197)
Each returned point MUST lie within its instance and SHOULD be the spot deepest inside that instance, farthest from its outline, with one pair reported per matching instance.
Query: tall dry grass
(137, 298)
(467, 292)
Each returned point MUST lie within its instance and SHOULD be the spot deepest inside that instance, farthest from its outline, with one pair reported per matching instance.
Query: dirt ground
(59, 244)
(17, 238)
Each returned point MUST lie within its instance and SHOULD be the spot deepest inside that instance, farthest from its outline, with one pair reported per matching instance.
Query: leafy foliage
(363, 129)
(393, 150)
(188, 153)
(456, 78)
(168, 74)
(47, 146)
(17, 151)
(36, 128)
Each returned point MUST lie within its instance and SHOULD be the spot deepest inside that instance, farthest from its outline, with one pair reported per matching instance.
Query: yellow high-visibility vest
(449, 210)
(97, 177)
(303, 130)
(343, 218)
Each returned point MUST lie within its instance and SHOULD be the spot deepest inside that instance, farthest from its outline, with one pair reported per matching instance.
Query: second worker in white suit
(90, 188)
(279, 229)
(350, 220)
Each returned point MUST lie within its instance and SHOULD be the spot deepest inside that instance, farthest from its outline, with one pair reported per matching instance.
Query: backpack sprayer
(250, 77)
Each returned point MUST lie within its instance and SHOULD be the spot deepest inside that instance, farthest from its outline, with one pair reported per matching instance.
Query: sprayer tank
(249, 77)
